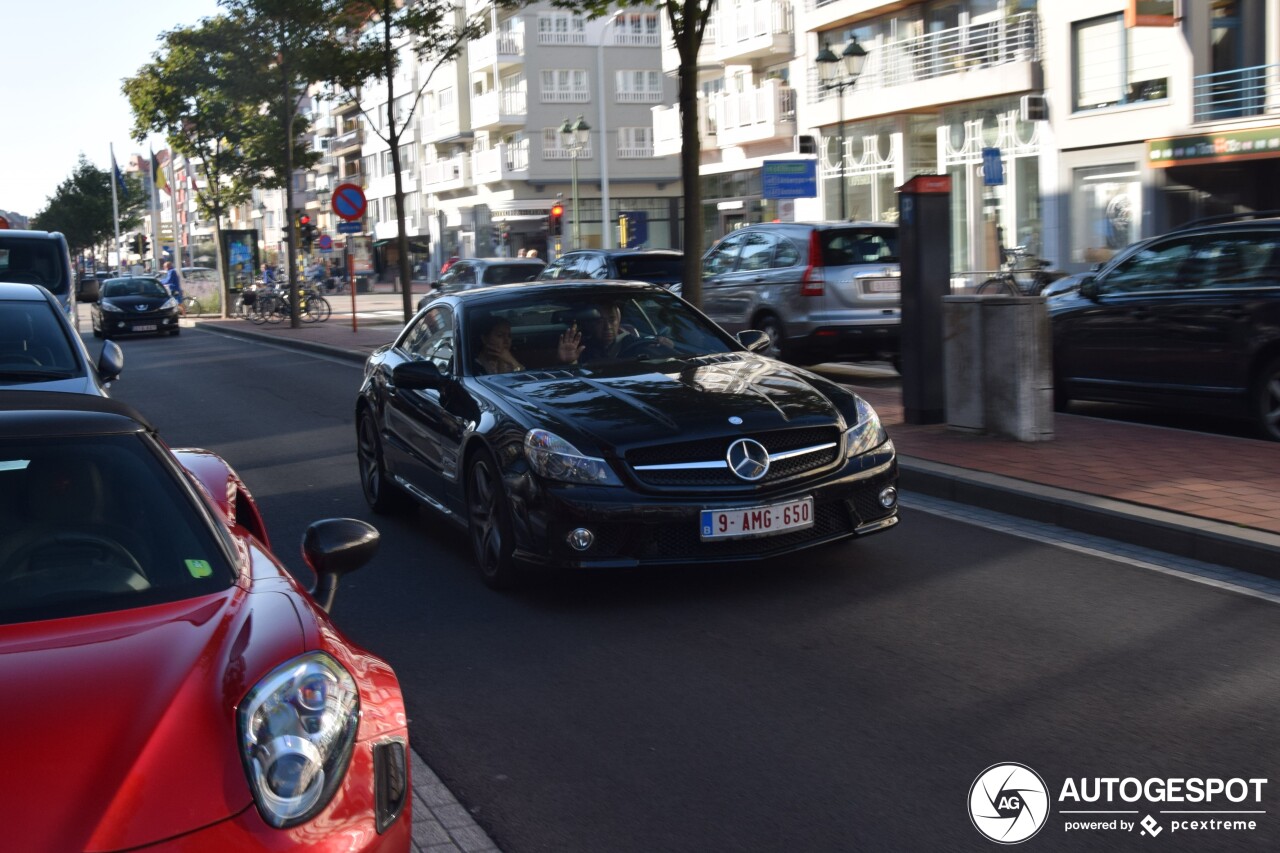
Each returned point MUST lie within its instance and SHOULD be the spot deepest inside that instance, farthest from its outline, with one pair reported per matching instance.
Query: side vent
(1034, 108)
(806, 145)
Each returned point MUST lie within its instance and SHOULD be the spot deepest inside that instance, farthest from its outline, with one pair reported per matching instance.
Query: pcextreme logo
(1008, 803)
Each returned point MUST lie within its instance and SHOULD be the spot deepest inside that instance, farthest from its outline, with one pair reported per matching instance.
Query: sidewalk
(1206, 497)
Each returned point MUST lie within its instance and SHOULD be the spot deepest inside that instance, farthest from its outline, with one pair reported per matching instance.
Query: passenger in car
(495, 348)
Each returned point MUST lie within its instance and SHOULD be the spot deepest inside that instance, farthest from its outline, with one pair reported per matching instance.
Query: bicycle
(1013, 262)
(191, 305)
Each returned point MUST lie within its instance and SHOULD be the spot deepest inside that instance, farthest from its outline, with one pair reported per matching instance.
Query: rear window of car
(98, 524)
(511, 273)
(33, 344)
(34, 261)
(650, 268)
(843, 247)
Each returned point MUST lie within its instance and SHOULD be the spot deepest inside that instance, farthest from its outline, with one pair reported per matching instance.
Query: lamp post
(575, 137)
(260, 214)
(839, 73)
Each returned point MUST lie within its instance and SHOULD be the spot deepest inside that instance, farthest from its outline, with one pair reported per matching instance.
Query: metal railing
(1236, 93)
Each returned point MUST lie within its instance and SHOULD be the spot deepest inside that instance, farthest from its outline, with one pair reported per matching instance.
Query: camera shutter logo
(1008, 803)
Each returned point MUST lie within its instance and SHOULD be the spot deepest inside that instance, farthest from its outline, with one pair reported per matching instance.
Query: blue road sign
(325, 242)
(992, 167)
(790, 179)
(350, 227)
(349, 202)
(633, 228)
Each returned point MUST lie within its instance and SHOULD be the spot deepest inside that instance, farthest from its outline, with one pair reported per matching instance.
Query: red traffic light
(304, 220)
(557, 210)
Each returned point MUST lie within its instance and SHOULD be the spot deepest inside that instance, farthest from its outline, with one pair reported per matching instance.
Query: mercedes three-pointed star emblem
(748, 459)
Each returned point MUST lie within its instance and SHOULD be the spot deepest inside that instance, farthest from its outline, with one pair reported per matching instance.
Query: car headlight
(108, 306)
(171, 302)
(556, 459)
(866, 434)
(297, 732)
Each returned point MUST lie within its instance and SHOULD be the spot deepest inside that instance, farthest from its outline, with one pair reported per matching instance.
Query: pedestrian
(520, 253)
(532, 253)
(173, 282)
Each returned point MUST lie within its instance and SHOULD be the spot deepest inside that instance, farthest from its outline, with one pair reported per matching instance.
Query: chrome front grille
(702, 463)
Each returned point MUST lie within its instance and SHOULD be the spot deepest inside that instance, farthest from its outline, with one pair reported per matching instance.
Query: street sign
(633, 228)
(992, 167)
(325, 243)
(349, 202)
(350, 227)
(790, 179)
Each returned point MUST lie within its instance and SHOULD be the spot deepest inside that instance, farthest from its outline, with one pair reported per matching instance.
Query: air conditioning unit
(1034, 108)
(806, 145)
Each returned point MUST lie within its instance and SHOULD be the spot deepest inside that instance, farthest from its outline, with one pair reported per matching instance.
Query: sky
(64, 64)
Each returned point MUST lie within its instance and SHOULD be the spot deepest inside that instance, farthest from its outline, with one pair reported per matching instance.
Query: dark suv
(822, 290)
(1190, 320)
(656, 266)
(40, 257)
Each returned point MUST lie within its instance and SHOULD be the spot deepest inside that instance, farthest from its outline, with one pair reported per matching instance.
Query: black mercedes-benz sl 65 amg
(613, 425)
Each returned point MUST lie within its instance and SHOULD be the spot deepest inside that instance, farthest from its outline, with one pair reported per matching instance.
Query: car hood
(633, 403)
(71, 385)
(137, 303)
(121, 727)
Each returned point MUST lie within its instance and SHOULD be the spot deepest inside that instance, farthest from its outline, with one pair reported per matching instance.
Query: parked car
(823, 291)
(667, 440)
(655, 266)
(39, 349)
(138, 305)
(180, 688)
(469, 273)
(40, 257)
(1188, 320)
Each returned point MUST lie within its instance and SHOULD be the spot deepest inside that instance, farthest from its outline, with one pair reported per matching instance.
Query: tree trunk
(690, 157)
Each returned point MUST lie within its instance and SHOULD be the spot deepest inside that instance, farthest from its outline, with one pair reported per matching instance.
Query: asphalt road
(842, 700)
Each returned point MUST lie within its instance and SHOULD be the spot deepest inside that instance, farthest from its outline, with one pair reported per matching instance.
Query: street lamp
(575, 137)
(839, 73)
(260, 214)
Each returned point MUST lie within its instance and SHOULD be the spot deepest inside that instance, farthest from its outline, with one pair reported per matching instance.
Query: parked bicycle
(191, 305)
(1019, 275)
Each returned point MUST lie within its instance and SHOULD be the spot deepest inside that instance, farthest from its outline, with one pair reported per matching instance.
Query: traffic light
(555, 222)
(306, 231)
(143, 244)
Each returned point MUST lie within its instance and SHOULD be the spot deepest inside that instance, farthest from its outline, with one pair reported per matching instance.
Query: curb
(1253, 551)
(332, 350)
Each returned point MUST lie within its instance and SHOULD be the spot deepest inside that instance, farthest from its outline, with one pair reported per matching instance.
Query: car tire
(383, 496)
(772, 326)
(97, 333)
(1267, 400)
(489, 523)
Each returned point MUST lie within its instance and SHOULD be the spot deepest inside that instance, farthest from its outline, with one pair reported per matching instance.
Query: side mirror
(753, 339)
(1089, 287)
(336, 547)
(417, 375)
(110, 362)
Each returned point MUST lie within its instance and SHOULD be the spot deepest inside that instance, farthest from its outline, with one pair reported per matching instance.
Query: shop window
(1105, 211)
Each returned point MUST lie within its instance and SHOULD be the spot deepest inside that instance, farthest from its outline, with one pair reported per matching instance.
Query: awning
(1214, 147)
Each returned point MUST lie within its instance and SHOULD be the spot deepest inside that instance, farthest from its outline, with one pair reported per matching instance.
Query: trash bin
(362, 284)
(998, 370)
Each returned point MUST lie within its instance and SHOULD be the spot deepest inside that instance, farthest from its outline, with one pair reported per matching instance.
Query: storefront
(1213, 173)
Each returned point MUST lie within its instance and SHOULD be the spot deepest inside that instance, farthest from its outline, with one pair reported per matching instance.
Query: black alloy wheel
(488, 523)
(1267, 400)
(383, 496)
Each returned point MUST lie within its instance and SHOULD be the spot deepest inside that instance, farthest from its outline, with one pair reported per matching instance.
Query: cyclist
(173, 282)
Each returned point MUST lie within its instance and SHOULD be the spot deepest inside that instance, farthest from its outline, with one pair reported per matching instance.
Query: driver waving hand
(602, 337)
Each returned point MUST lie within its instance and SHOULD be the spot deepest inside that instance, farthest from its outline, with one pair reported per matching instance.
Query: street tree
(195, 94)
(81, 207)
(287, 47)
(431, 31)
(688, 21)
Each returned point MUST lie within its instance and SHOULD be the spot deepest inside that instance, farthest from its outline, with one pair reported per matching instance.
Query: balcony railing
(946, 52)
(765, 112)
(504, 161)
(758, 28)
(505, 46)
(635, 152)
(571, 96)
(499, 107)
(560, 38)
(666, 129)
(451, 174)
(565, 153)
(1239, 93)
(347, 140)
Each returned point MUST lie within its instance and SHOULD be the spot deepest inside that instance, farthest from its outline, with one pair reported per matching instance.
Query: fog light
(888, 497)
(580, 539)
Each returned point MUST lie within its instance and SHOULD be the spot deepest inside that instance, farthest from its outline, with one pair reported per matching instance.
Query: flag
(115, 173)
(157, 173)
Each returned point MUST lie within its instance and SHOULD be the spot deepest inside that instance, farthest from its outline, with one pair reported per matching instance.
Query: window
(444, 99)
(407, 157)
(635, 142)
(388, 166)
(431, 339)
(724, 257)
(1113, 65)
(1105, 210)
(637, 29)
(639, 87)
(1156, 267)
(757, 252)
(560, 28)
(367, 166)
(565, 85)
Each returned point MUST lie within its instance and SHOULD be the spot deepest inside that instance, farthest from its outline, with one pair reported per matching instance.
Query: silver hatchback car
(824, 291)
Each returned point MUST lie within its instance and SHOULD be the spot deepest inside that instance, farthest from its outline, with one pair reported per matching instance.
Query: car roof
(614, 253)
(18, 290)
(32, 235)
(551, 289)
(36, 413)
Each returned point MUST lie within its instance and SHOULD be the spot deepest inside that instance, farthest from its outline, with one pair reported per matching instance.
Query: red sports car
(167, 682)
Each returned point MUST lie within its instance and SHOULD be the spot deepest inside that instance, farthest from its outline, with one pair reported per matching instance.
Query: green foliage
(81, 207)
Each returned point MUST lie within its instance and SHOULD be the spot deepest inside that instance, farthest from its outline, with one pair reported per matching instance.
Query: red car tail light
(814, 280)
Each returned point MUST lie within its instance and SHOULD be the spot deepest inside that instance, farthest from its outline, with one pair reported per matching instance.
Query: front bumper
(634, 529)
(139, 324)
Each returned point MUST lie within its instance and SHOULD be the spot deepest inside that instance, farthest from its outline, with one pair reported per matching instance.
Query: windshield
(133, 287)
(511, 273)
(597, 326)
(659, 269)
(37, 260)
(842, 247)
(34, 346)
(90, 524)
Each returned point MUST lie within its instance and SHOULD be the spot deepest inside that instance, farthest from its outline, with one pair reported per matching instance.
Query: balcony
(499, 108)
(666, 129)
(326, 167)
(549, 38)
(347, 142)
(443, 175)
(754, 30)
(988, 60)
(504, 48)
(765, 112)
(1240, 93)
(507, 161)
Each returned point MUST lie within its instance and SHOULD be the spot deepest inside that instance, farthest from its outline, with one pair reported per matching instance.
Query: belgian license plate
(757, 520)
(883, 285)
(150, 328)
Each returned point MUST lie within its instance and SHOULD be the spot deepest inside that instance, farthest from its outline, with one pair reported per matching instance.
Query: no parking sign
(349, 202)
